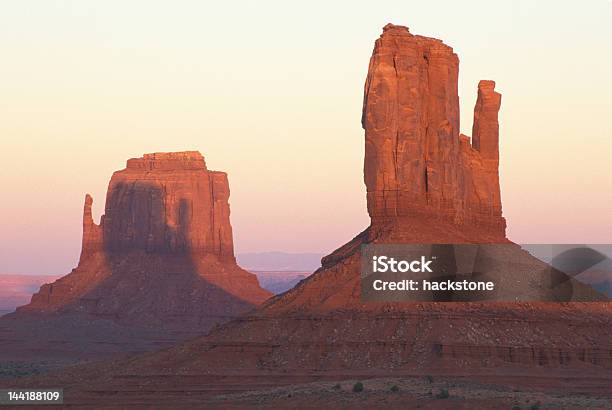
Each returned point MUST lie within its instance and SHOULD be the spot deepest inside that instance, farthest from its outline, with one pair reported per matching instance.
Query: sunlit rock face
(416, 162)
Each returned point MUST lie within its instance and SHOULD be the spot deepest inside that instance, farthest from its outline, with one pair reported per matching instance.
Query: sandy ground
(412, 393)
(422, 392)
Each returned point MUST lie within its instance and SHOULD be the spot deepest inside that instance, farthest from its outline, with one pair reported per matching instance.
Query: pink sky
(272, 95)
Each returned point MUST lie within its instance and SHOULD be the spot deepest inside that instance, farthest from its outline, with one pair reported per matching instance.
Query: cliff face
(163, 203)
(416, 162)
(163, 249)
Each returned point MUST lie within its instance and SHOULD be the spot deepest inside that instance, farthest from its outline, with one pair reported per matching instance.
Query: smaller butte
(162, 254)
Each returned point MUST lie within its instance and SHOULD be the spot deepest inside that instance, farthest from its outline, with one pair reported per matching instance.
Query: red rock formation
(169, 203)
(92, 233)
(163, 249)
(416, 163)
(425, 184)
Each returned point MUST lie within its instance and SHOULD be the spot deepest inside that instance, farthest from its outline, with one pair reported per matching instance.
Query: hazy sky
(271, 93)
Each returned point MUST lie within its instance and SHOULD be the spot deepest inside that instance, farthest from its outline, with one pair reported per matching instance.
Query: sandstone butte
(162, 254)
(426, 183)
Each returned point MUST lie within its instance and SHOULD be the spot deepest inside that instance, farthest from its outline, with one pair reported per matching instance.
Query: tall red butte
(416, 163)
(162, 254)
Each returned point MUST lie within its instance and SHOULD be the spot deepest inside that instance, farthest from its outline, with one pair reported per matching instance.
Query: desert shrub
(394, 388)
(535, 406)
(443, 394)
(358, 387)
(429, 379)
(337, 386)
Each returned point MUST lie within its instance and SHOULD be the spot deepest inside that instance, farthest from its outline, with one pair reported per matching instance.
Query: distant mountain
(589, 264)
(279, 282)
(280, 261)
(599, 276)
